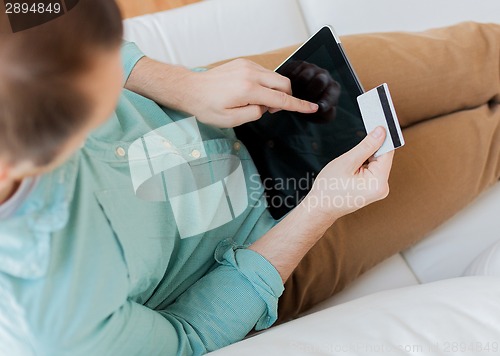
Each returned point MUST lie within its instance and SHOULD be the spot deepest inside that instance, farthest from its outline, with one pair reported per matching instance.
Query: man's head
(58, 81)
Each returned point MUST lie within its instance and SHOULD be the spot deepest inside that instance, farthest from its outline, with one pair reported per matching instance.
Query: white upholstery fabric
(435, 319)
(448, 251)
(487, 263)
(210, 31)
(361, 16)
(390, 274)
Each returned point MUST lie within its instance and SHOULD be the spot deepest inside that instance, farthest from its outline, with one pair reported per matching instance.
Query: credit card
(377, 109)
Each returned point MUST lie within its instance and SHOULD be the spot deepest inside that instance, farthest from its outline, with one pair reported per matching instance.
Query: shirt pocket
(146, 235)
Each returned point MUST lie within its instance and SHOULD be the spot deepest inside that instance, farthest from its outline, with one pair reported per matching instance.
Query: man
(139, 243)
(110, 253)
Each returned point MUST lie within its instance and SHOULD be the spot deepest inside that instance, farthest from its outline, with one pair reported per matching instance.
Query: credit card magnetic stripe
(393, 131)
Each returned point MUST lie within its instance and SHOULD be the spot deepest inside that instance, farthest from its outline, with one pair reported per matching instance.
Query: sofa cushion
(390, 274)
(360, 16)
(449, 250)
(210, 31)
(487, 263)
(456, 316)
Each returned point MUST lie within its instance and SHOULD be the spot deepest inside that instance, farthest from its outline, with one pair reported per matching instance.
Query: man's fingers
(247, 113)
(279, 83)
(279, 100)
(381, 166)
(275, 91)
(366, 148)
(275, 81)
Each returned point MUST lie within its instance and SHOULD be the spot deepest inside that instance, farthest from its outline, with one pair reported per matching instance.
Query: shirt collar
(9, 207)
(25, 237)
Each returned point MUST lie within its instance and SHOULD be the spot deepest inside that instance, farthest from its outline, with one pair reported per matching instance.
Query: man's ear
(5, 170)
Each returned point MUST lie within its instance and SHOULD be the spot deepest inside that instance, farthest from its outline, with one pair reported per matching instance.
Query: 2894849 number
(36, 8)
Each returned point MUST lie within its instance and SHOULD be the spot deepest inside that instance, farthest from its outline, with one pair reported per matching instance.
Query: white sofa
(213, 30)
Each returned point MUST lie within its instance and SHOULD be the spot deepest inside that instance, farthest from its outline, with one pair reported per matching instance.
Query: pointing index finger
(279, 100)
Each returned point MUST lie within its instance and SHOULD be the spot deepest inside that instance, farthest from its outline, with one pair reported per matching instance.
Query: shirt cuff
(131, 54)
(262, 275)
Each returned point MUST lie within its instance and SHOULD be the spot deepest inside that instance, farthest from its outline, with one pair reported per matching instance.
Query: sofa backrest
(362, 16)
(214, 30)
(210, 31)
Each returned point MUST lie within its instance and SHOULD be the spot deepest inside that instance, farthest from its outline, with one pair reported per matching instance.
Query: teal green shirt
(137, 245)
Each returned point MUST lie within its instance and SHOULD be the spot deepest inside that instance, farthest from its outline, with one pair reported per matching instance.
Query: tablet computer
(289, 149)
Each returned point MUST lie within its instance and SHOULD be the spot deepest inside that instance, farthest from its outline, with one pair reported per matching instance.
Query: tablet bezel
(324, 37)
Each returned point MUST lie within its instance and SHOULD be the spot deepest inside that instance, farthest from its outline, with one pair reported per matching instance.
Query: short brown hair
(40, 105)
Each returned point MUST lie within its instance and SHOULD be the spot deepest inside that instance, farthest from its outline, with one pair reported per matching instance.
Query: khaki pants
(445, 84)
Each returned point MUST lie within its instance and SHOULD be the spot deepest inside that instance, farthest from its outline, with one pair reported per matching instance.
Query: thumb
(366, 148)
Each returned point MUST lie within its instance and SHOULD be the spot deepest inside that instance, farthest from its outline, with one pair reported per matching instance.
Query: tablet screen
(320, 72)
(289, 149)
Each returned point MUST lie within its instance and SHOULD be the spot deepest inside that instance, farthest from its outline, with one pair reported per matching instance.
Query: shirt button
(270, 144)
(196, 154)
(120, 151)
(167, 144)
(314, 146)
(237, 146)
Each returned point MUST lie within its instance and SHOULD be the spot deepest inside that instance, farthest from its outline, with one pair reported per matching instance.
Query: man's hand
(242, 91)
(353, 180)
(226, 96)
(348, 183)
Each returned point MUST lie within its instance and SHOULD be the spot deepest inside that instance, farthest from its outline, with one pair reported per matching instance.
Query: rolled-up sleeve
(131, 54)
(218, 310)
(225, 305)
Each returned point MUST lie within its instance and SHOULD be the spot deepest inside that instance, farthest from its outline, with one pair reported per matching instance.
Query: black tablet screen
(289, 149)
